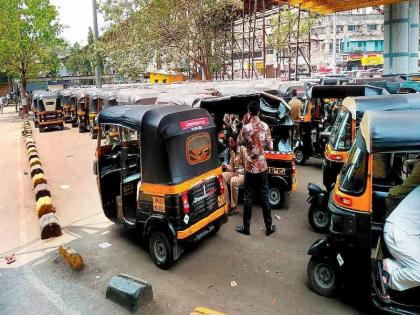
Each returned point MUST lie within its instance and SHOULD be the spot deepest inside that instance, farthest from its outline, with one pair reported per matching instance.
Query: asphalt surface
(269, 272)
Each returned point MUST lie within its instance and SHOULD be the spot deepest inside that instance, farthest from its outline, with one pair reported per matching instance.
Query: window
(351, 28)
(340, 138)
(340, 28)
(198, 148)
(371, 27)
(353, 175)
(270, 51)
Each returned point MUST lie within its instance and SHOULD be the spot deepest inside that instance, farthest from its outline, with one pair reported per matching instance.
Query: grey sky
(77, 16)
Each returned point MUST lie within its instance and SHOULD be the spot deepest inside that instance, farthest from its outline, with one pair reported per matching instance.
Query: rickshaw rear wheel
(322, 276)
(160, 250)
(319, 219)
(275, 196)
(300, 156)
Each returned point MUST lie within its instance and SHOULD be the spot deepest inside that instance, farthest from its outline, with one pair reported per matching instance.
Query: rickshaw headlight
(185, 203)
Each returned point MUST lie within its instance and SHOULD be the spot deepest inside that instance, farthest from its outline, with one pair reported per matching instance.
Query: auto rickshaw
(144, 96)
(160, 172)
(73, 108)
(35, 96)
(342, 137)
(110, 98)
(83, 100)
(66, 103)
(358, 212)
(50, 112)
(96, 102)
(282, 175)
(318, 116)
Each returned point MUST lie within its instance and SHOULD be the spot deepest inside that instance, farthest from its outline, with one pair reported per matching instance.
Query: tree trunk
(23, 94)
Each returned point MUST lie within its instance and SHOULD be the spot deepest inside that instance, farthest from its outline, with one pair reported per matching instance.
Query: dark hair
(254, 108)
(294, 93)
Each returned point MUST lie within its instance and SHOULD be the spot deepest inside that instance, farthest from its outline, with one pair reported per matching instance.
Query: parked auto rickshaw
(342, 137)
(83, 100)
(96, 102)
(35, 96)
(73, 108)
(66, 103)
(110, 98)
(319, 114)
(144, 96)
(358, 212)
(160, 172)
(275, 112)
(50, 112)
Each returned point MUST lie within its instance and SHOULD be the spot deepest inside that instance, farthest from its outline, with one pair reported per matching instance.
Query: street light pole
(95, 37)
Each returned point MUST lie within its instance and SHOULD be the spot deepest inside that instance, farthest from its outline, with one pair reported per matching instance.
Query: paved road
(270, 272)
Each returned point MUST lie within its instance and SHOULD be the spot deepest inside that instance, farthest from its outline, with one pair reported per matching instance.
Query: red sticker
(187, 124)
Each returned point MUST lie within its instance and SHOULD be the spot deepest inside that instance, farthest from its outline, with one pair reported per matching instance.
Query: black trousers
(256, 184)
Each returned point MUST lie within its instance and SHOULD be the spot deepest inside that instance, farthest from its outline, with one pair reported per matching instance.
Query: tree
(29, 38)
(189, 33)
(81, 60)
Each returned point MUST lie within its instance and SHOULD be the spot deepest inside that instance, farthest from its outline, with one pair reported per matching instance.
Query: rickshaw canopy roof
(342, 91)
(357, 106)
(47, 94)
(391, 131)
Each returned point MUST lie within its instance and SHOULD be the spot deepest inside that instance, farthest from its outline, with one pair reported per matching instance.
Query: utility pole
(95, 37)
(334, 62)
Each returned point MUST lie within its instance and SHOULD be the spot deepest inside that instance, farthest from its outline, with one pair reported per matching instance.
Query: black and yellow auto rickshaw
(50, 112)
(358, 212)
(159, 171)
(96, 101)
(282, 175)
(35, 96)
(83, 100)
(342, 137)
(66, 104)
(110, 98)
(73, 108)
(318, 116)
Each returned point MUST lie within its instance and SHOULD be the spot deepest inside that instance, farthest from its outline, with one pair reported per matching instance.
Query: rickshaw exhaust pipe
(202, 234)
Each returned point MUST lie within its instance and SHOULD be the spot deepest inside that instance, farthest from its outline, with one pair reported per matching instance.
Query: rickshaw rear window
(198, 148)
(353, 175)
(340, 139)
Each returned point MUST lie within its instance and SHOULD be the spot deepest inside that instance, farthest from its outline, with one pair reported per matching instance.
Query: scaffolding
(249, 41)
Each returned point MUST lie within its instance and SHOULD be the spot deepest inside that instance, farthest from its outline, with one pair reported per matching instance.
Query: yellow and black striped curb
(44, 204)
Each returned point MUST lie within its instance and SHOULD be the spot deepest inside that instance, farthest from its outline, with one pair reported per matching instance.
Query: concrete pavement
(270, 272)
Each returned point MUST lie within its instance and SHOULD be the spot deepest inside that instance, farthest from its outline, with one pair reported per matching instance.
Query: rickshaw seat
(379, 208)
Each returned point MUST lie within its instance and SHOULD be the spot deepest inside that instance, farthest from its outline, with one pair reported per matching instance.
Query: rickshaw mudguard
(278, 179)
(157, 220)
(323, 247)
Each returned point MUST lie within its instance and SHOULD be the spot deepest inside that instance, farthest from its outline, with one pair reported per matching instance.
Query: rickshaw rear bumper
(220, 215)
(57, 122)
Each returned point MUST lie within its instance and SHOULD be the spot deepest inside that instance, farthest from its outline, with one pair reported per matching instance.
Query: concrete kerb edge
(45, 209)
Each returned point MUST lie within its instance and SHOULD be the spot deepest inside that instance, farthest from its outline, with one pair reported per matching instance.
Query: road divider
(45, 208)
(73, 258)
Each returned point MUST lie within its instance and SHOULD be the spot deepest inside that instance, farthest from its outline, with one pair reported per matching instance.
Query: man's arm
(268, 139)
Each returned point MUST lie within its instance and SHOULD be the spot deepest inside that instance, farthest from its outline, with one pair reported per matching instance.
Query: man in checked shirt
(256, 137)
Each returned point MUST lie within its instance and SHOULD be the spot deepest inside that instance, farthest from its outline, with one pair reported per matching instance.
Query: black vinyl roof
(342, 91)
(359, 105)
(133, 116)
(391, 131)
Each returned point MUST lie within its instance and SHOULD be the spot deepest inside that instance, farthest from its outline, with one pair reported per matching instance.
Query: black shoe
(233, 211)
(271, 230)
(242, 230)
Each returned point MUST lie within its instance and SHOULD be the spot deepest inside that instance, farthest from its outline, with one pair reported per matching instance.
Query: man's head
(232, 142)
(294, 93)
(254, 108)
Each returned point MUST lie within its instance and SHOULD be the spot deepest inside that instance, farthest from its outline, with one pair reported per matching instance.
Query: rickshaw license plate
(277, 171)
(221, 200)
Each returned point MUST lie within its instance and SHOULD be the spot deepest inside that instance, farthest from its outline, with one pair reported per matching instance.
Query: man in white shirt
(1, 103)
(402, 238)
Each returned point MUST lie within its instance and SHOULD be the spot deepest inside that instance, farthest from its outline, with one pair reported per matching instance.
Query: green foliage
(187, 34)
(78, 62)
(29, 41)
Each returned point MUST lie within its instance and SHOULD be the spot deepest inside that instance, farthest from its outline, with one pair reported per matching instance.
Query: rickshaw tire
(280, 192)
(312, 222)
(300, 161)
(159, 236)
(313, 265)
(41, 129)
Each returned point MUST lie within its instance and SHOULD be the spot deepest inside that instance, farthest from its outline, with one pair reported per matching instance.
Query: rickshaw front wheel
(160, 250)
(322, 276)
(319, 219)
(300, 156)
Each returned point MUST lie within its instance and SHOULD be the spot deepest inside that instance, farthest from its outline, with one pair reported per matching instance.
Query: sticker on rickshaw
(340, 260)
(198, 148)
(192, 123)
(277, 171)
(221, 200)
(159, 204)
(186, 219)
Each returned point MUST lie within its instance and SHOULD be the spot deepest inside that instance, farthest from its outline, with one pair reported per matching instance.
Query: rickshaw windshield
(340, 139)
(353, 175)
